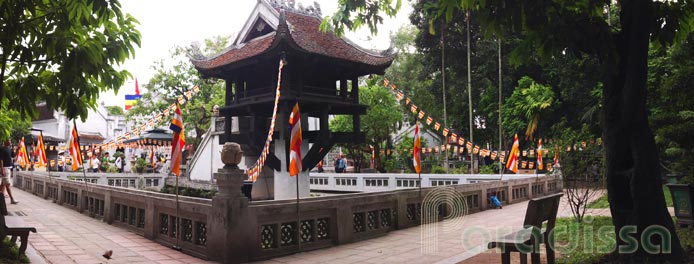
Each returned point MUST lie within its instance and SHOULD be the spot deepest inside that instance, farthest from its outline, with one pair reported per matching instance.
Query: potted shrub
(682, 200)
(140, 165)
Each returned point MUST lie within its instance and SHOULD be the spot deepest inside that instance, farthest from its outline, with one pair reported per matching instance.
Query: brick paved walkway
(65, 236)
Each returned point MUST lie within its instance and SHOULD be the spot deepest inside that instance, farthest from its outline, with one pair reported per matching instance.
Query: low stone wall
(150, 214)
(230, 229)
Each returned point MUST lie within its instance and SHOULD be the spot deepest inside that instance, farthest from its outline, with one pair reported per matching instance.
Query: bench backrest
(542, 209)
(3, 226)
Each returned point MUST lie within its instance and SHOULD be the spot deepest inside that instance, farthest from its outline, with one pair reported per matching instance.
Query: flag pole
(178, 221)
(298, 213)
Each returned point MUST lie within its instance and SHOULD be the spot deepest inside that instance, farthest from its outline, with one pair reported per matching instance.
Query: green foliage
(670, 81)
(192, 192)
(9, 253)
(525, 105)
(115, 110)
(585, 155)
(365, 13)
(63, 53)
(12, 124)
(435, 169)
(601, 202)
(488, 169)
(172, 79)
(585, 242)
(111, 169)
(379, 123)
(140, 165)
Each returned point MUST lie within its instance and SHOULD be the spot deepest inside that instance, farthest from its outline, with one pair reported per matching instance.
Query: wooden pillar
(355, 89)
(343, 89)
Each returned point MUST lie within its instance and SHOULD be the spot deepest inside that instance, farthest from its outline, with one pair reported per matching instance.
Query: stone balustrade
(231, 229)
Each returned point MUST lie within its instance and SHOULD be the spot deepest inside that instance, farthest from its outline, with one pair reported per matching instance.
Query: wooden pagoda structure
(321, 73)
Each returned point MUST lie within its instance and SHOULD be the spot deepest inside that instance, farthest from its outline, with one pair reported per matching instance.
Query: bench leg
(535, 258)
(25, 242)
(13, 239)
(506, 257)
(550, 255)
(523, 258)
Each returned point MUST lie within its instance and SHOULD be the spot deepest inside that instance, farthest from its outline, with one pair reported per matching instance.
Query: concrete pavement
(65, 236)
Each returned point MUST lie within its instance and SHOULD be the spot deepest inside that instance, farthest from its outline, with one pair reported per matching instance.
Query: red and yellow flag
(539, 155)
(40, 152)
(22, 157)
(74, 147)
(416, 150)
(512, 163)
(295, 142)
(178, 141)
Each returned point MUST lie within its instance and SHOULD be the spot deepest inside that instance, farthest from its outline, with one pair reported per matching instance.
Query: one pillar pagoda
(321, 73)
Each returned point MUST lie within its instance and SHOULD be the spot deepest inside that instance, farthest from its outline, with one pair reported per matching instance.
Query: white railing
(377, 182)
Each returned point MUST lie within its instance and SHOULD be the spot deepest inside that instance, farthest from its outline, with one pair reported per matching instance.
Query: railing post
(150, 218)
(230, 239)
(108, 213)
(401, 208)
(344, 221)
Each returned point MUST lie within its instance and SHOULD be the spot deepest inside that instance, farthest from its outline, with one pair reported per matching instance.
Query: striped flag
(40, 152)
(295, 142)
(178, 141)
(512, 163)
(74, 147)
(152, 160)
(22, 157)
(417, 148)
(539, 155)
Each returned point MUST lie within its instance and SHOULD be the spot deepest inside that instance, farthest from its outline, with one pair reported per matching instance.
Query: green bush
(435, 169)
(9, 253)
(190, 192)
(111, 169)
(488, 169)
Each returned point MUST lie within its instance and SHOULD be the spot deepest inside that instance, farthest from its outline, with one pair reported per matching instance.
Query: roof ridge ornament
(289, 5)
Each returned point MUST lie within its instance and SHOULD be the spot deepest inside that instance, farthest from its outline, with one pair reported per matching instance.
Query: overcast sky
(165, 24)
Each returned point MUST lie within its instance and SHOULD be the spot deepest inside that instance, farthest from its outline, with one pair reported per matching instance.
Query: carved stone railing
(150, 214)
(229, 228)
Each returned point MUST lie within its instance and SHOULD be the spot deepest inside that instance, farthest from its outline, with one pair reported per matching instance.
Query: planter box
(682, 199)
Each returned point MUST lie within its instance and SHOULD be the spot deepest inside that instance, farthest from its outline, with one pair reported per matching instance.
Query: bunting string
(255, 170)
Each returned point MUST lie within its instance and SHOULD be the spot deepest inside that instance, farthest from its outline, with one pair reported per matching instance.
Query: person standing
(119, 163)
(6, 168)
(96, 164)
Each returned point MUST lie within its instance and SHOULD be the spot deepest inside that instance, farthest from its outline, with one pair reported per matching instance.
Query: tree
(172, 79)
(379, 123)
(63, 53)
(115, 110)
(670, 81)
(523, 108)
(12, 124)
(556, 27)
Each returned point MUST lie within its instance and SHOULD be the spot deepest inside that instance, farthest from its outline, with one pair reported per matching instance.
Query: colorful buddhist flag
(40, 152)
(131, 99)
(512, 163)
(437, 126)
(74, 147)
(413, 108)
(421, 114)
(416, 149)
(461, 141)
(22, 157)
(445, 132)
(493, 155)
(178, 141)
(539, 155)
(429, 120)
(295, 142)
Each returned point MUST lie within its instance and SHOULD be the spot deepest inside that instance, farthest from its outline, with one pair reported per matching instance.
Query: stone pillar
(228, 220)
(228, 233)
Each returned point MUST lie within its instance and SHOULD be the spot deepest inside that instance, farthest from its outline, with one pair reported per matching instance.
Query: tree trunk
(633, 175)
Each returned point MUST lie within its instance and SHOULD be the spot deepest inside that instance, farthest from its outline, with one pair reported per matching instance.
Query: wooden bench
(14, 226)
(528, 240)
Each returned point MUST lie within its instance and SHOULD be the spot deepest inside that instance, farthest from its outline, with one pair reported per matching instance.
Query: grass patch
(600, 203)
(9, 252)
(586, 242)
(603, 203)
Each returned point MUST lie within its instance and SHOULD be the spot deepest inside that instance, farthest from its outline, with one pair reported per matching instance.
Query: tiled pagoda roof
(301, 32)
